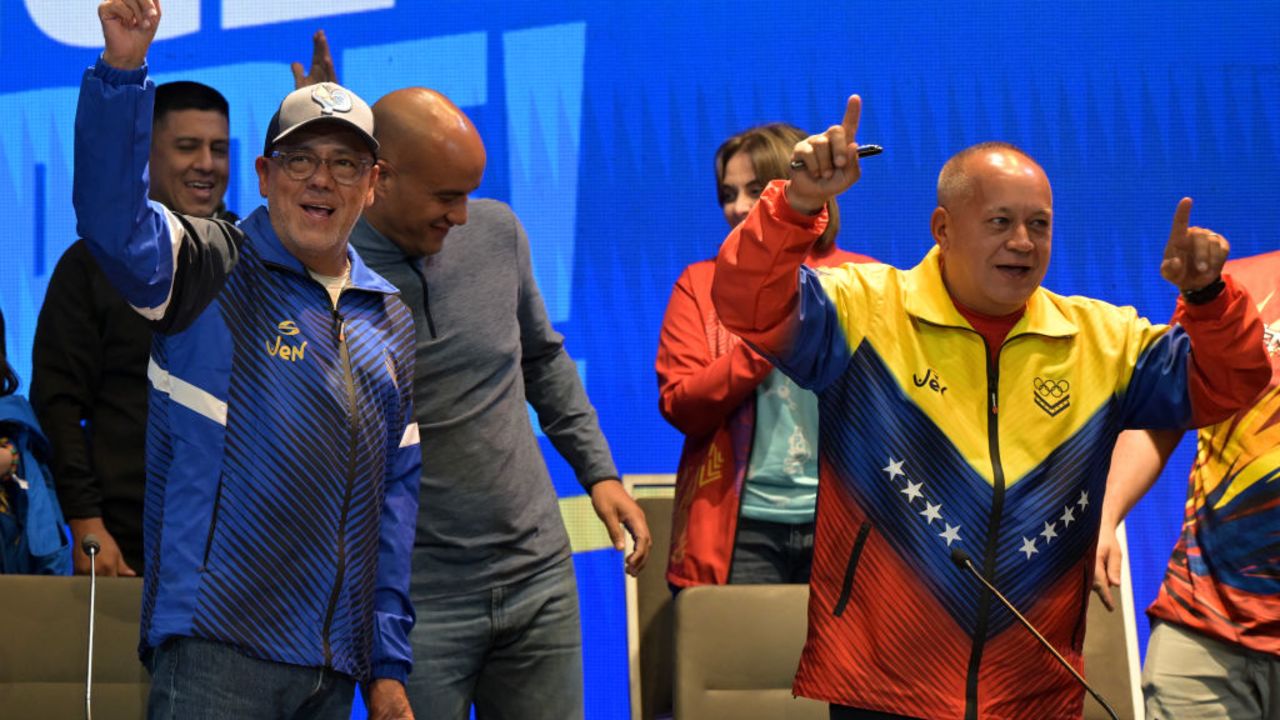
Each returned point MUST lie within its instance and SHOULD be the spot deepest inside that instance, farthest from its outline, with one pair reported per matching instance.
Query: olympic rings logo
(1051, 388)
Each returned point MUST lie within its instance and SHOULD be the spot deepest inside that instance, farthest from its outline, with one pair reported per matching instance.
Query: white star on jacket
(912, 490)
(915, 491)
(951, 534)
(1049, 533)
(894, 469)
(1028, 547)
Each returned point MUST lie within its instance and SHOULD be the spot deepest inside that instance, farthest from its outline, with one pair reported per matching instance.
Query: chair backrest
(737, 648)
(649, 609)
(43, 651)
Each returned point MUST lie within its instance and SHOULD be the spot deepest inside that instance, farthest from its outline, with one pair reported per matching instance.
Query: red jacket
(707, 379)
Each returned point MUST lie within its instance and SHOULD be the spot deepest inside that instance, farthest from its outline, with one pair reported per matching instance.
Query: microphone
(964, 562)
(91, 547)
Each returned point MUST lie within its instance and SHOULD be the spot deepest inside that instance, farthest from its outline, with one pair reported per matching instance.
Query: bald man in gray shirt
(493, 581)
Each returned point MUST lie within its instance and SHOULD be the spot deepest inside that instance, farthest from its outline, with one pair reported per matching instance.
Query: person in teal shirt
(747, 482)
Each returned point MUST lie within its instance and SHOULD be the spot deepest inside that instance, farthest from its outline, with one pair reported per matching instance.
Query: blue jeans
(193, 679)
(771, 553)
(515, 651)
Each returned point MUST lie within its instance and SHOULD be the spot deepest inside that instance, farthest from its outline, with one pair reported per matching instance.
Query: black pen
(863, 151)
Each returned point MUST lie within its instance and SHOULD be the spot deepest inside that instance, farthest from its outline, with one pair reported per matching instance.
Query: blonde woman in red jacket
(747, 481)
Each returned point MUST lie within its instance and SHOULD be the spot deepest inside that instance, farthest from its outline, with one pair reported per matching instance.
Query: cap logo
(331, 98)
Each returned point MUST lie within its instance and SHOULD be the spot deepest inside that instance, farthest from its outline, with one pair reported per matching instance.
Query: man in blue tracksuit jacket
(282, 453)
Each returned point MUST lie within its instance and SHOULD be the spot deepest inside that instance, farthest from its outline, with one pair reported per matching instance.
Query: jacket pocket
(213, 524)
(846, 588)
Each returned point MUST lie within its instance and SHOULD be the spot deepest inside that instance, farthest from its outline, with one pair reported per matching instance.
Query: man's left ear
(260, 166)
(375, 177)
(938, 226)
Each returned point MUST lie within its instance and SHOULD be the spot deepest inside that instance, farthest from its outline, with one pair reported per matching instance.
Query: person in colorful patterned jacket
(282, 450)
(964, 407)
(1214, 650)
(748, 474)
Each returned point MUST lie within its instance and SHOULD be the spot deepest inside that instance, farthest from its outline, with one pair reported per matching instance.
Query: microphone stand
(964, 562)
(91, 547)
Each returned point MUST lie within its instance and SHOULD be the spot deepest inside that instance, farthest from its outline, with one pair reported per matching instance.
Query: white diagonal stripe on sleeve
(410, 437)
(187, 395)
(176, 234)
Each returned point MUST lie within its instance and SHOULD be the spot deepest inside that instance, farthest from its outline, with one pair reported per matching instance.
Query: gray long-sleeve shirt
(488, 513)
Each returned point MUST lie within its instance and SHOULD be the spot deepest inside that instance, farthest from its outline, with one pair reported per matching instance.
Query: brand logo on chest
(930, 380)
(1051, 396)
(288, 351)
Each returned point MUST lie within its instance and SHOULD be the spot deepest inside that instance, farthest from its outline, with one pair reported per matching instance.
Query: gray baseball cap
(322, 102)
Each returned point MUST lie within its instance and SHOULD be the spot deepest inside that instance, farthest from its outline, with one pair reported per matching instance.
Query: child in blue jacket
(33, 538)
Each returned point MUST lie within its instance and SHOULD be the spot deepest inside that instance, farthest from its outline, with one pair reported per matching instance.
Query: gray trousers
(1188, 676)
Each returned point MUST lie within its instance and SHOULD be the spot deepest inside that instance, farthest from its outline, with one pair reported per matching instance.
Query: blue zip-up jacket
(282, 453)
(43, 547)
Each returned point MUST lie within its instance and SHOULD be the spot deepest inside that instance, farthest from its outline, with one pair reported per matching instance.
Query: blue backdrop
(601, 119)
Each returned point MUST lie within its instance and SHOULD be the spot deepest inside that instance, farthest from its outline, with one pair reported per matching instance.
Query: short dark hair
(769, 149)
(188, 95)
(8, 378)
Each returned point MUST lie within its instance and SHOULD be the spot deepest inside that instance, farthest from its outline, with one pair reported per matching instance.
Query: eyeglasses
(301, 165)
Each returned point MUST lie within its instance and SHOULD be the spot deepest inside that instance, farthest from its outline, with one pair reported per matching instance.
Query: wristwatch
(1206, 294)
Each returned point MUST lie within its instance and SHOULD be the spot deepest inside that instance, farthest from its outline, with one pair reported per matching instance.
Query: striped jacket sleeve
(1208, 364)
(763, 293)
(167, 266)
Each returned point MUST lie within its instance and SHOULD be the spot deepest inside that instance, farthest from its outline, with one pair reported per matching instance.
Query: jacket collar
(374, 246)
(265, 241)
(926, 298)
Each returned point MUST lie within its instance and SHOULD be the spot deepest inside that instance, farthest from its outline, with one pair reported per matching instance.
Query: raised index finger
(852, 112)
(1181, 219)
(319, 50)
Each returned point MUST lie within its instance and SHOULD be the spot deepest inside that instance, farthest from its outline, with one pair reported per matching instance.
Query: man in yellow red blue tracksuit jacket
(963, 406)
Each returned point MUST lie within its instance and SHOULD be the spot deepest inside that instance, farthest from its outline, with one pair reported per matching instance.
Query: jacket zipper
(420, 273)
(746, 465)
(993, 532)
(213, 523)
(341, 331)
